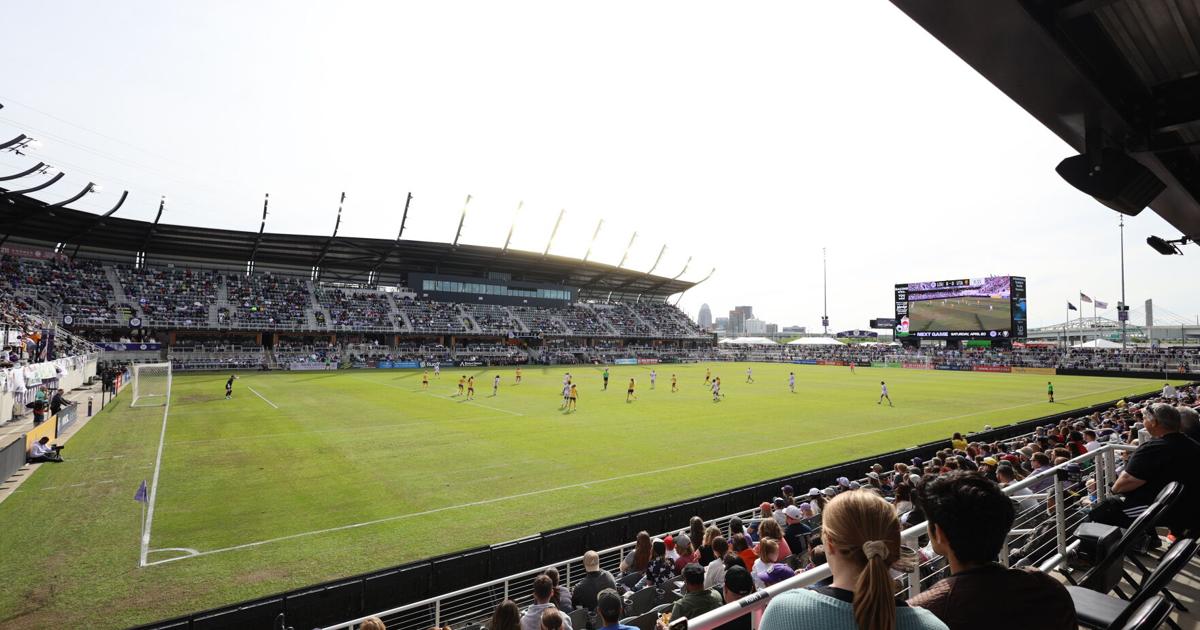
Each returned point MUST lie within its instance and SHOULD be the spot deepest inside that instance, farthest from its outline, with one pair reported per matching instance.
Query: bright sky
(747, 138)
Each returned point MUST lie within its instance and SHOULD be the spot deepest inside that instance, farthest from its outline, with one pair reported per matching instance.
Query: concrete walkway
(23, 424)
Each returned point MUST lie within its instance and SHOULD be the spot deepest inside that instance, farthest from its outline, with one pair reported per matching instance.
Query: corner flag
(140, 495)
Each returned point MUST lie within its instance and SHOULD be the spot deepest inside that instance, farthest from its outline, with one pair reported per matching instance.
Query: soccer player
(629, 395)
(883, 393)
(852, 367)
(653, 377)
(707, 375)
(496, 386)
(471, 388)
(572, 395)
(605, 379)
(1050, 390)
(674, 384)
(425, 380)
(229, 386)
(518, 376)
(437, 369)
(792, 381)
(716, 389)
(749, 375)
(462, 383)
(566, 394)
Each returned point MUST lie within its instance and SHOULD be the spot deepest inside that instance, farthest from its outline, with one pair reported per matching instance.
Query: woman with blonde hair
(861, 534)
(768, 528)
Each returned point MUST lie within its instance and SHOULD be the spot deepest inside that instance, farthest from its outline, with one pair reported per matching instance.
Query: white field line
(586, 484)
(356, 429)
(262, 397)
(454, 398)
(162, 436)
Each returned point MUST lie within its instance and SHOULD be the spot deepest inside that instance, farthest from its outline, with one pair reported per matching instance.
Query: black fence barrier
(335, 601)
(12, 457)
(1160, 375)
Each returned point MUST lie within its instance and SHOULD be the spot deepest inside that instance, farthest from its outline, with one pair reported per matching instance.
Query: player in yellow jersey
(674, 384)
(471, 388)
(425, 380)
(630, 396)
(707, 375)
(462, 382)
(518, 376)
(571, 398)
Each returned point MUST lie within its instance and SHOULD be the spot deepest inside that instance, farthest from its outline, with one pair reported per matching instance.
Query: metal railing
(1060, 516)
(475, 604)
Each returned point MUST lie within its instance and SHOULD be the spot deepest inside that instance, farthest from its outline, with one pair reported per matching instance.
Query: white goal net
(151, 384)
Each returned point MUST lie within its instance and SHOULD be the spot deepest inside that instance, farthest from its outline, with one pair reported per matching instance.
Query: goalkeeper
(229, 386)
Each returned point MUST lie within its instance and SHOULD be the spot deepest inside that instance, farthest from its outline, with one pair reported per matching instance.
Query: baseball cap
(669, 541)
(991, 461)
(917, 461)
(786, 490)
(914, 480)
(812, 492)
(829, 492)
(766, 507)
(693, 573)
(805, 507)
(873, 475)
(738, 581)
(608, 603)
(779, 502)
(682, 540)
(854, 485)
(792, 511)
(843, 481)
(777, 573)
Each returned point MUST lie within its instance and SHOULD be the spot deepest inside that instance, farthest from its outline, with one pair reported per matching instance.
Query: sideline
(262, 397)
(585, 484)
(162, 436)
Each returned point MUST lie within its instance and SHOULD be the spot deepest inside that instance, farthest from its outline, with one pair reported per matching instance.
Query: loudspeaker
(1118, 181)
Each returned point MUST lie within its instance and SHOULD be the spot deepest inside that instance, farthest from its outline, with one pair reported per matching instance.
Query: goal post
(151, 384)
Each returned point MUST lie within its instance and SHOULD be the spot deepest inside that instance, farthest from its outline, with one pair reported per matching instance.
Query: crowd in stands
(77, 288)
(540, 320)
(427, 316)
(271, 301)
(291, 353)
(356, 309)
(168, 296)
(623, 320)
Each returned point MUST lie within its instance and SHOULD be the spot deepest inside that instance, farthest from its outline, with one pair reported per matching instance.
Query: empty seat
(1101, 611)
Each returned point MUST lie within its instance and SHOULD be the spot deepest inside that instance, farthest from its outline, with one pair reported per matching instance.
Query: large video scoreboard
(974, 308)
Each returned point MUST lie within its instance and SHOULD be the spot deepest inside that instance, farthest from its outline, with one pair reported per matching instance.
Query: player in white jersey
(566, 393)
(883, 393)
(653, 375)
(749, 375)
(716, 389)
(496, 386)
(437, 369)
(792, 381)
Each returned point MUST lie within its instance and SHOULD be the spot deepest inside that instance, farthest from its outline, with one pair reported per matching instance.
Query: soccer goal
(151, 384)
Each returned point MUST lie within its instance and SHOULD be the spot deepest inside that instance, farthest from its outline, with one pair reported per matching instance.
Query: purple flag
(1101, 305)
(140, 495)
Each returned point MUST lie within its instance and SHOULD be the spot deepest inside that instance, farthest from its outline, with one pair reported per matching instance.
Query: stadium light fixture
(95, 188)
(22, 143)
(1165, 247)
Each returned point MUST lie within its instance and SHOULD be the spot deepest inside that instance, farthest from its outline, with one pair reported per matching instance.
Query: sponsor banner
(67, 417)
(805, 361)
(1034, 370)
(914, 366)
(625, 361)
(992, 368)
(829, 362)
(953, 368)
(387, 365)
(31, 252)
(313, 366)
(888, 364)
(358, 365)
(115, 346)
(468, 363)
(863, 363)
(647, 361)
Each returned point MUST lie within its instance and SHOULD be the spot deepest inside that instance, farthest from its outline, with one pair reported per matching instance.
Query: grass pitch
(308, 476)
(965, 313)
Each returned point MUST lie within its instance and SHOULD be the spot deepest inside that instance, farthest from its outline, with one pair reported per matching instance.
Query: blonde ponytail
(874, 602)
(866, 530)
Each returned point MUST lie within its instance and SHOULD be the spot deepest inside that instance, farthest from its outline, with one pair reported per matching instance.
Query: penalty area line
(264, 398)
(589, 483)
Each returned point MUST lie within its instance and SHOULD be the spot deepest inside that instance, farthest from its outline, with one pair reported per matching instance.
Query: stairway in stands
(124, 314)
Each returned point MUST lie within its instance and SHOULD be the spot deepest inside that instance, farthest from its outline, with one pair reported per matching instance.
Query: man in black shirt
(1168, 456)
(738, 584)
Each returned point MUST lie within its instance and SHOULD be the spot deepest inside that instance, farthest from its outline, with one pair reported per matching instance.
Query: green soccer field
(308, 476)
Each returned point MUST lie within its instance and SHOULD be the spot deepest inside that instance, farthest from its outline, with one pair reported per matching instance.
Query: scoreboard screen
(972, 308)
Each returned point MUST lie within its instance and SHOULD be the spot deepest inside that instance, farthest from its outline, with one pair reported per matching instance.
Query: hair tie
(875, 549)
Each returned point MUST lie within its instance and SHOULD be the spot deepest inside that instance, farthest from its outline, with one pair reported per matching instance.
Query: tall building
(722, 323)
(755, 326)
(738, 317)
(705, 320)
(772, 329)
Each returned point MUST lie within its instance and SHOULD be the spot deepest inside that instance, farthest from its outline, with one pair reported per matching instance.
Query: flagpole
(1122, 304)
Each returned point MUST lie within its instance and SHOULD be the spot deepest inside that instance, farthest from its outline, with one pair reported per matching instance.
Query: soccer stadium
(204, 425)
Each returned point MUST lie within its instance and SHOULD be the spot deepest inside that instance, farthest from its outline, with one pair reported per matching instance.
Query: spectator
(738, 584)
(958, 442)
(659, 569)
(969, 518)
(543, 590)
(506, 617)
(767, 569)
(57, 402)
(861, 533)
(375, 623)
(696, 531)
(41, 451)
(636, 560)
(39, 411)
(771, 529)
(714, 574)
(1168, 456)
(1089, 441)
(561, 597)
(608, 606)
(707, 555)
(742, 548)
(696, 599)
(1189, 422)
(687, 555)
(593, 581)
(797, 531)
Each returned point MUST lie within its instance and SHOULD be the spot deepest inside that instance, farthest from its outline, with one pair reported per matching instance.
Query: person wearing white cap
(796, 533)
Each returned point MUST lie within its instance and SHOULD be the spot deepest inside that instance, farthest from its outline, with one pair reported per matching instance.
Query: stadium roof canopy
(1097, 343)
(815, 341)
(25, 220)
(1131, 68)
